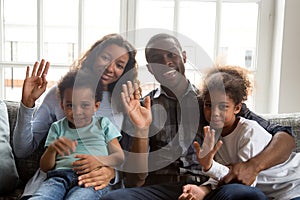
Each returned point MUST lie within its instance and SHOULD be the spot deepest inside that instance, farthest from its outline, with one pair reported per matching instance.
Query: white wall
(289, 93)
(275, 68)
(263, 75)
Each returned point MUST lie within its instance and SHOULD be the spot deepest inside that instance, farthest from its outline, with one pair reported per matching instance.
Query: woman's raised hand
(140, 116)
(35, 84)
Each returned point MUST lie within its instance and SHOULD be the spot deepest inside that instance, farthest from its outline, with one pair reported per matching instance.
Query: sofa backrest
(28, 166)
(287, 119)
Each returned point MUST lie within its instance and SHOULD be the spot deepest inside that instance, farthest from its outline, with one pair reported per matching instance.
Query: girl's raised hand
(207, 151)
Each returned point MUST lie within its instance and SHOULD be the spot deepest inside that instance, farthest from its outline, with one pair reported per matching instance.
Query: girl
(224, 90)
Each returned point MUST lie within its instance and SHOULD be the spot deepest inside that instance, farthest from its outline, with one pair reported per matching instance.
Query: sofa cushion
(8, 171)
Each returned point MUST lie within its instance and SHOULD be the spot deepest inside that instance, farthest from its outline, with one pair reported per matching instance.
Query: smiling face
(166, 62)
(79, 106)
(113, 59)
(220, 111)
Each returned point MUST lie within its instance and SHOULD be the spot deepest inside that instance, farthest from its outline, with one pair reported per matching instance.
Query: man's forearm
(138, 156)
(277, 151)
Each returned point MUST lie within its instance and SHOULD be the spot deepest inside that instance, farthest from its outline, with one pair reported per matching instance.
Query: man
(175, 124)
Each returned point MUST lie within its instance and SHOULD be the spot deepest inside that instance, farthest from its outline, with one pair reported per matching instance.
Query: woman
(113, 58)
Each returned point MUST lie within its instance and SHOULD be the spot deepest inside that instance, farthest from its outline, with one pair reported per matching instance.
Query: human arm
(246, 172)
(116, 155)
(33, 125)
(205, 156)
(277, 151)
(56, 145)
(136, 162)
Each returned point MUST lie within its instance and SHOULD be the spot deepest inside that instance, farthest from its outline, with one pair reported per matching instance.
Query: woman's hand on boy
(86, 163)
(98, 178)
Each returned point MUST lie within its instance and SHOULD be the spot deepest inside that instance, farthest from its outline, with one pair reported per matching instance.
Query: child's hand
(86, 163)
(63, 146)
(193, 192)
(206, 153)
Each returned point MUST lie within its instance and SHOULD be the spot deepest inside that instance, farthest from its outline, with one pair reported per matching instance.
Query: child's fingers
(217, 146)
(206, 130)
(186, 188)
(197, 147)
(137, 94)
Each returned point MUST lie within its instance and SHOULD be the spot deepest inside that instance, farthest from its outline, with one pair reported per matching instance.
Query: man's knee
(235, 192)
(114, 195)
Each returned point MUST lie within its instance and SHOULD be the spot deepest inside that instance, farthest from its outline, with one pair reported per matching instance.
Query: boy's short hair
(77, 78)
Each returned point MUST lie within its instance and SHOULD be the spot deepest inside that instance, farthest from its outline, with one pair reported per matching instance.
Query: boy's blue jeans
(63, 184)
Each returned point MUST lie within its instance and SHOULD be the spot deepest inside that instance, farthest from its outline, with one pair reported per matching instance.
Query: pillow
(8, 171)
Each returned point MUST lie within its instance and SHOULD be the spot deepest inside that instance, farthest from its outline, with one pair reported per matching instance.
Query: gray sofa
(27, 167)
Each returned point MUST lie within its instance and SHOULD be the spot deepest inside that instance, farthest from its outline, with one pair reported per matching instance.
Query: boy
(90, 141)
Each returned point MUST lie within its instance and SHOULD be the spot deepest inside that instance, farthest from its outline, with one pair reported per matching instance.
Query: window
(225, 31)
(100, 18)
(20, 35)
(239, 33)
(59, 31)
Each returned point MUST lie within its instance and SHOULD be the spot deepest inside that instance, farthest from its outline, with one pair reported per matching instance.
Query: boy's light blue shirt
(92, 139)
